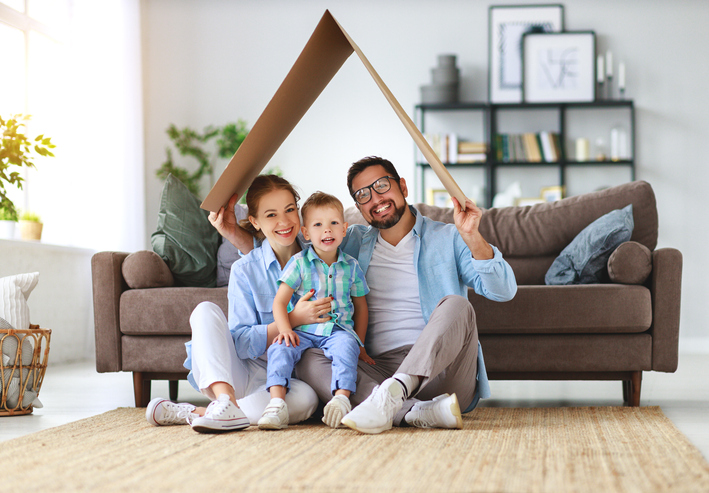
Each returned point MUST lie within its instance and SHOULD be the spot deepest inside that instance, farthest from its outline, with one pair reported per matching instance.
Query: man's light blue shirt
(445, 266)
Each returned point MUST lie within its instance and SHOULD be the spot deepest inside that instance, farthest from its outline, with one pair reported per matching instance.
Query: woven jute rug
(500, 450)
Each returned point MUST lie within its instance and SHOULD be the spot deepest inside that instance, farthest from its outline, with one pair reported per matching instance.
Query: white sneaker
(162, 412)
(221, 416)
(275, 416)
(442, 412)
(335, 410)
(376, 413)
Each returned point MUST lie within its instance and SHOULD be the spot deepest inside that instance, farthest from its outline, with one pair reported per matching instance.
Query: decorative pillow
(185, 239)
(14, 291)
(228, 253)
(585, 259)
(145, 269)
(630, 263)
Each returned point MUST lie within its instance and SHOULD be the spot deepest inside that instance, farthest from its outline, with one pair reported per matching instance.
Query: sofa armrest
(666, 288)
(108, 284)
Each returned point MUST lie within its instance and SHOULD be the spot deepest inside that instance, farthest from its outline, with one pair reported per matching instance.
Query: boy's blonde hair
(321, 199)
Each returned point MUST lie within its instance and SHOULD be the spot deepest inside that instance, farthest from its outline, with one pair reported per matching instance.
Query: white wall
(213, 62)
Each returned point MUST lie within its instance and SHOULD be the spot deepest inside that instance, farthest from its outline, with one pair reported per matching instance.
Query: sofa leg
(631, 389)
(141, 389)
(174, 385)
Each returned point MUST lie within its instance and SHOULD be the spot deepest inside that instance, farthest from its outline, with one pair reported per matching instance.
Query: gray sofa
(605, 331)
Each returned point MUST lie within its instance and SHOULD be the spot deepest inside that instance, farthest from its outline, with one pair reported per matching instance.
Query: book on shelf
(450, 149)
(527, 147)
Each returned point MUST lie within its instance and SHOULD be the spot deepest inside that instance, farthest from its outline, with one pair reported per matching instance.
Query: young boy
(329, 272)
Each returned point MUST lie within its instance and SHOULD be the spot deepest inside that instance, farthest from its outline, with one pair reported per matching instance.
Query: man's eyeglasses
(381, 186)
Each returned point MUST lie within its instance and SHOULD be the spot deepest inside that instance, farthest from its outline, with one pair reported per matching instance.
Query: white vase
(7, 230)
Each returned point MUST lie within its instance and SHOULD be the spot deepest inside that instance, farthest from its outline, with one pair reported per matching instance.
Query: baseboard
(694, 345)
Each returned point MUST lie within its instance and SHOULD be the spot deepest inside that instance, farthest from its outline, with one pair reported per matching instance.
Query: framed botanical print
(506, 26)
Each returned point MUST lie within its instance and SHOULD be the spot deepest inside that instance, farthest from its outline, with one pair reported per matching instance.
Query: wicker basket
(24, 366)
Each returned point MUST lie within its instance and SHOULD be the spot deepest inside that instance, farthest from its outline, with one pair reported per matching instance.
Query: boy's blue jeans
(340, 347)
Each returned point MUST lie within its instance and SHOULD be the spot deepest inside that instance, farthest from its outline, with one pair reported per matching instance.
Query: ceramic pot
(30, 230)
(7, 230)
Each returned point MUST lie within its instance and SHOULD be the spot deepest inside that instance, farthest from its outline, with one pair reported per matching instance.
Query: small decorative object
(609, 74)
(445, 81)
(439, 198)
(506, 26)
(558, 67)
(509, 197)
(17, 149)
(30, 227)
(600, 77)
(621, 79)
(582, 149)
(552, 194)
(601, 151)
(619, 144)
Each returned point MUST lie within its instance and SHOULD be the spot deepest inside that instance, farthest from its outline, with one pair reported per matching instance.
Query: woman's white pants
(214, 360)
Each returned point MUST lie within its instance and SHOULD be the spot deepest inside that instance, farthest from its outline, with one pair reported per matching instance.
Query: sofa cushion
(146, 269)
(574, 309)
(630, 263)
(185, 239)
(164, 311)
(585, 259)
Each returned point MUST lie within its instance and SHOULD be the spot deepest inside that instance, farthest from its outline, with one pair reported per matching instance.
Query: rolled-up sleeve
(492, 278)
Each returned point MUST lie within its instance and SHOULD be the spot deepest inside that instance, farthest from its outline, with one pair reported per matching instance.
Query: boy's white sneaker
(275, 416)
(376, 413)
(442, 412)
(221, 416)
(335, 410)
(162, 412)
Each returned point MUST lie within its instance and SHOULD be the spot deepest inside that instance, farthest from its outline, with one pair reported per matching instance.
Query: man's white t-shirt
(394, 303)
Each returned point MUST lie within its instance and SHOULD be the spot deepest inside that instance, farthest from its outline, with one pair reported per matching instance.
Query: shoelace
(385, 401)
(426, 415)
(217, 408)
(174, 414)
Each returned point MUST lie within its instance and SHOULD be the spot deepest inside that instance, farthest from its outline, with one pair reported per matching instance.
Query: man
(422, 333)
(423, 340)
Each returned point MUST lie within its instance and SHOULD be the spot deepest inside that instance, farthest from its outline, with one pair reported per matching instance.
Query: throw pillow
(585, 259)
(14, 291)
(185, 239)
(630, 263)
(145, 269)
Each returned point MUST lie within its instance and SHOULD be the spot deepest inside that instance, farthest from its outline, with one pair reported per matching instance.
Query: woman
(227, 358)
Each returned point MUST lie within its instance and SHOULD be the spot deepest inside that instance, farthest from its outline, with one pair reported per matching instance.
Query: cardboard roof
(325, 52)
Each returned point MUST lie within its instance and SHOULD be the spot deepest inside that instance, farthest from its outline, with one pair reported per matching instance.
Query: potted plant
(189, 142)
(30, 226)
(7, 223)
(17, 149)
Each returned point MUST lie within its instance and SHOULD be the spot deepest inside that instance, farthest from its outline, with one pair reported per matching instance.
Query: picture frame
(506, 26)
(559, 67)
(439, 198)
(552, 194)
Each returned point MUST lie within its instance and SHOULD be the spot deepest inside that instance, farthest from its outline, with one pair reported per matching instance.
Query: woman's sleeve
(247, 329)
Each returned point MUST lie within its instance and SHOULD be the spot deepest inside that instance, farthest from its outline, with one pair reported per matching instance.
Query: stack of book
(528, 147)
(451, 150)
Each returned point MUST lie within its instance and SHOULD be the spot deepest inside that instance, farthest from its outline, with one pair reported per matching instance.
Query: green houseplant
(191, 143)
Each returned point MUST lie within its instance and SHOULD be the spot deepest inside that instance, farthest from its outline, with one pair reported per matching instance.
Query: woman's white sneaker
(275, 416)
(162, 412)
(442, 412)
(221, 416)
(335, 410)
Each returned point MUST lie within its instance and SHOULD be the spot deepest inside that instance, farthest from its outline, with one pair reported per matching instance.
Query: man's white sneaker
(275, 416)
(162, 412)
(222, 415)
(376, 413)
(442, 412)
(335, 410)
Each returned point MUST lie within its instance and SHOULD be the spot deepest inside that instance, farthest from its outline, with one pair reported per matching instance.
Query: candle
(621, 76)
(609, 64)
(599, 70)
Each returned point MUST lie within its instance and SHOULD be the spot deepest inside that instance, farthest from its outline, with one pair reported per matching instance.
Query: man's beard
(391, 220)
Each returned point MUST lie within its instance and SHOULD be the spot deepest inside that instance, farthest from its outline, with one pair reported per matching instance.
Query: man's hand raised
(467, 222)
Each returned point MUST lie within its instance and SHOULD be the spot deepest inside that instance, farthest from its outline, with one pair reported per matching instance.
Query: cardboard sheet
(325, 52)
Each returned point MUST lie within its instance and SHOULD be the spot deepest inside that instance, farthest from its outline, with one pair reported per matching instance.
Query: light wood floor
(76, 391)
